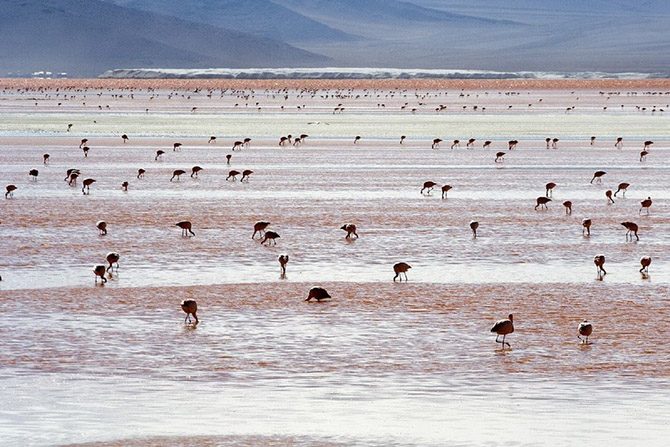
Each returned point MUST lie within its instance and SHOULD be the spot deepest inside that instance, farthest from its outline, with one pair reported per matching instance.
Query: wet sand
(383, 363)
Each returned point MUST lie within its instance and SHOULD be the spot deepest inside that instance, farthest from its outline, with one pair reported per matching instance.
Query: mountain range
(87, 37)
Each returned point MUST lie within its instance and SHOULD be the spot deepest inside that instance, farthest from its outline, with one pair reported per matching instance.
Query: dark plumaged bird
(228, 157)
(113, 258)
(232, 174)
(645, 262)
(568, 207)
(101, 225)
(399, 269)
(643, 155)
(428, 186)
(212, 139)
(34, 173)
(647, 144)
(499, 157)
(9, 191)
(86, 185)
(176, 146)
(158, 154)
(504, 328)
(542, 202)
(586, 225)
(599, 261)
(585, 329)
(622, 187)
(270, 237)
(45, 159)
(99, 272)
(436, 143)
(445, 190)
(608, 194)
(317, 293)
(598, 176)
(473, 226)
(195, 170)
(550, 189)
(124, 186)
(283, 260)
(190, 307)
(186, 228)
(402, 139)
(486, 145)
(259, 227)
(245, 175)
(350, 229)
(645, 204)
(177, 173)
(140, 173)
(632, 229)
(357, 138)
(86, 149)
(83, 142)
(124, 137)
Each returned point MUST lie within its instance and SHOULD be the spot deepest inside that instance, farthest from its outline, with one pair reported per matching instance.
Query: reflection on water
(382, 363)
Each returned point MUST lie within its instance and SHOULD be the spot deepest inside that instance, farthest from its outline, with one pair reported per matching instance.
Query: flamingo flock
(501, 328)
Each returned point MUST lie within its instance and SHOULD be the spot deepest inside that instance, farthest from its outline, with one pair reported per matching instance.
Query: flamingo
(402, 138)
(511, 144)
(124, 185)
(124, 137)
(471, 143)
(195, 170)
(247, 141)
(140, 173)
(585, 329)
(101, 225)
(554, 143)
(212, 139)
(83, 142)
(645, 204)
(486, 145)
(245, 175)
(499, 156)
(190, 307)
(568, 207)
(598, 175)
(87, 185)
(436, 143)
(176, 146)
(270, 236)
(619, 143)
(69, 126)
(34, 173)
(429, 186)
(185, 226)
(158, 154)
(645, 262)
(548, 141)
(622, 187)
(593, 140)
(86, 149)
(473, 226)
(10, 191)
(445, 190)
(283, 260)
(177, 173)
(113, 258)
(45, 159)
(608, 194)
(643, 155)
(599, 261)
(317, 293)
(456, 143)
(542, 202)
(232, 174)
(238, 145)
(99, 272)
(550, 189)
(228, 157)
(632, 230)
(647, 144)
(259, 227)
(357, 138)
(350, 229)
(399, 268)
(586, 225)
(504, 328)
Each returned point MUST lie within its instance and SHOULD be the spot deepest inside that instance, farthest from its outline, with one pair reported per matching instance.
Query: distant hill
(258, 17)
(87, 37)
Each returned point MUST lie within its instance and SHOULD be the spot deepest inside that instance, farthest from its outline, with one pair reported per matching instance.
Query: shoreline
(315, 84)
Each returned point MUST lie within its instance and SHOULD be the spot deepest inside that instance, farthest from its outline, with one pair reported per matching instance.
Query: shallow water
(383, 363)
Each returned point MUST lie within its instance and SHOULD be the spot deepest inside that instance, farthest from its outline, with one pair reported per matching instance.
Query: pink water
(383, 363)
